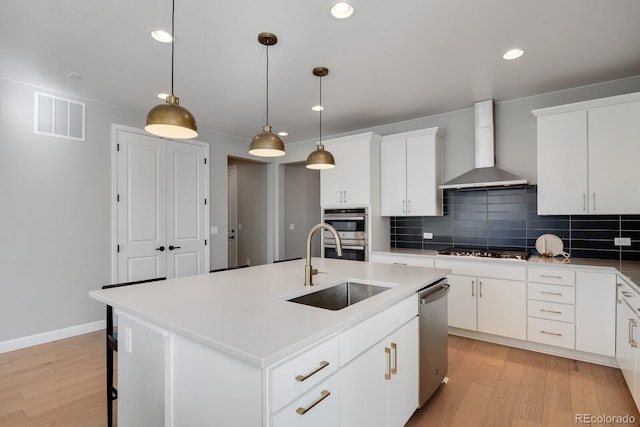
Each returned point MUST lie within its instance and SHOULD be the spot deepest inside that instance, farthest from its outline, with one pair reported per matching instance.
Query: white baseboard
(45, 337)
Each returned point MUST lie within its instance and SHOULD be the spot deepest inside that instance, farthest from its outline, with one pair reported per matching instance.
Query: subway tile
(408, 230)
(630, 255)
(520, 234)
(507, 207)
(602, 254)
(507, 224)
(470, 208)
(503, 242)
(435, 246)
(593, 244)
(409, 221)
(518, 199)
(463, 241)
(544, 224)
(595, 225)
(594, 234)
(409, 238)
(507, 191)
(471, 231)
(465, 216)
(507, 216)
(534, 234)
(409, 245)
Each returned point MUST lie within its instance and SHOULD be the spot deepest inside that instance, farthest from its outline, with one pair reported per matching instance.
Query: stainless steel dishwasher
(433, 338)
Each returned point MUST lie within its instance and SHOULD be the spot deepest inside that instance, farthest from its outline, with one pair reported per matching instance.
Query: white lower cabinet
(627, 323)
(380, 386)
(402, 259)
(494, 302)
(596, 313)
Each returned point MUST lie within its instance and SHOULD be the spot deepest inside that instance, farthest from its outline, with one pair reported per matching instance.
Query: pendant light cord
(322, 108)
(173, 38)
(267, 123)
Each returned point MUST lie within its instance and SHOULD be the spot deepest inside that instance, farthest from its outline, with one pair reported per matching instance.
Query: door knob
(173, 247)
(161, 248)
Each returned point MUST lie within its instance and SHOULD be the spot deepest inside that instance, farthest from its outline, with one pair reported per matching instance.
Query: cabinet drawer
(403, 260)
(550, 332)
(551, 311)
(554, 276)
(551, 293)
(356, 340)
(299, 374)
(320, 407)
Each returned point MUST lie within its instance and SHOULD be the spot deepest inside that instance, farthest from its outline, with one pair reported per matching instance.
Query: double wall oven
(352, 226)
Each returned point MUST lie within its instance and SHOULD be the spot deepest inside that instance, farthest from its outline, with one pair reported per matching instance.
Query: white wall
(302, 210)
(55, 196)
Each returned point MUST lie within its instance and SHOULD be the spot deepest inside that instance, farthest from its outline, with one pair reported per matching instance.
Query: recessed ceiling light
(317, 108)
(513, 54)
(283, 133)
(161, 35)
(163, 96)
(74, 76)
(342, 9)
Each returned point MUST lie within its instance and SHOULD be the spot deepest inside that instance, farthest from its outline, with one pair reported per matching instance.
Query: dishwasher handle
(434, 292)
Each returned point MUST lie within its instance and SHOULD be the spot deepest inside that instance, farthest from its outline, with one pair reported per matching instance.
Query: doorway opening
(246, 212)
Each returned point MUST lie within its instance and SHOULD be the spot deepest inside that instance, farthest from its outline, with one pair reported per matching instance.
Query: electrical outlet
(127, 339)
(292, 227)
(427, 235)
(622, 241)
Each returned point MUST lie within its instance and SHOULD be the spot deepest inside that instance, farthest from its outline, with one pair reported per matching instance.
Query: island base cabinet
(319, 407)
(626, 346)
(380, 387)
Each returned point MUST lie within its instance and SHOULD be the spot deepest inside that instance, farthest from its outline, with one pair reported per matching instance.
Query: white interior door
(186, 209)
(161, 210)
(141, 207)
(232, 216)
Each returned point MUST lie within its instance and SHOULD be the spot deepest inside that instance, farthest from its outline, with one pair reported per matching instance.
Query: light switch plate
(427, 235)
(214, 229)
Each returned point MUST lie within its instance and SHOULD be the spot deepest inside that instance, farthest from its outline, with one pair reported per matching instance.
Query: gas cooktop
(485, 253)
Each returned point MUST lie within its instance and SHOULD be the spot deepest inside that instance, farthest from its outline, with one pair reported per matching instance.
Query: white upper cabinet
(587, 157)
(351, 182)
(410, 173)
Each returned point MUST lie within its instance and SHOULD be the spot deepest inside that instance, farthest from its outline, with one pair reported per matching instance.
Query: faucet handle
(314, 271)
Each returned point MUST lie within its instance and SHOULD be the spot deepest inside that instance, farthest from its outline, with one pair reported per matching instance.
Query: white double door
(161, 193)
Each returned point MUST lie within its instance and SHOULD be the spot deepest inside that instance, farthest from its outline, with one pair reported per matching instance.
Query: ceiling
(392, 61)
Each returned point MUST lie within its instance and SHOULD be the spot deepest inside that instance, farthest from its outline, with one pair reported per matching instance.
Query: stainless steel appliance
(485, 253)
(433, 338)
(352, 225)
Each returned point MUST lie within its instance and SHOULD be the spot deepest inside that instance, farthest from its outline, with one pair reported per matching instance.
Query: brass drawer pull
(387, 375)
(394, 347)
(558, 294)
(550, 311)
(550, 276)
(323, 395)
(626, 294)
(322, 365)
(550, 333)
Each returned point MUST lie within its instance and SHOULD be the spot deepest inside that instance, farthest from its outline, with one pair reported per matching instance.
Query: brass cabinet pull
(323, 395)
(473, 284)
(404, 203)
(632, 325)
(626, 294)
(480, 290)
(551, 293)
(550, 333)
(387, 375)
(394, 347)
(408, 206)
(550, 277)
(594, 201)
(322, 365)
(584, 201)
(550, 311)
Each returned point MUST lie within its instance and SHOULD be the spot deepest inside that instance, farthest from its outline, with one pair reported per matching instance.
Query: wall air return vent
(55, 116)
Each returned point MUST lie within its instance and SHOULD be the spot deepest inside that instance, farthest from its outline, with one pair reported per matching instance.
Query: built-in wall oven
(352, 225)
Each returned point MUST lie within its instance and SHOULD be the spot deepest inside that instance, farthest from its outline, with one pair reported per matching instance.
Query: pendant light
(266, 143)
(170, 120)
(320, 158)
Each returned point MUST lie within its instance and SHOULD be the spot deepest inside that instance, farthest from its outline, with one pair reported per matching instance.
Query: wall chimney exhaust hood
(485, 174)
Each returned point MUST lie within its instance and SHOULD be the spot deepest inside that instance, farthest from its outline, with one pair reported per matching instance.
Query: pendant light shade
(170, 120)
(266, 143)
(320, 158)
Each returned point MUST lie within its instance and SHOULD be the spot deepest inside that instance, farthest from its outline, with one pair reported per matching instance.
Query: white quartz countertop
(630, 270)
(245, 313)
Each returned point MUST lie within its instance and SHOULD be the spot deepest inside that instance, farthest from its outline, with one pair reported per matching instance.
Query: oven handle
(331, 217)
(357, 248)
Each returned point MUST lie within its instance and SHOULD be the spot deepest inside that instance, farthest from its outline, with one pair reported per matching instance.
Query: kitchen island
(218, 349)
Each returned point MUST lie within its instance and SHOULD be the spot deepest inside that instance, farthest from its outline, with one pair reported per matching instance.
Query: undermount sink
(340, 296)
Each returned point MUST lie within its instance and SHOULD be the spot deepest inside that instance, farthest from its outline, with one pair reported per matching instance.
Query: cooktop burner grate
(485, 253)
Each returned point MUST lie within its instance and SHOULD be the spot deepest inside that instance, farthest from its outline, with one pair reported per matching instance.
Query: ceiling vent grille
(55, 116)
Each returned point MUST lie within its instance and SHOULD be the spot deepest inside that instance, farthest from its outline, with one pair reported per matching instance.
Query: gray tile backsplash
(507, 219)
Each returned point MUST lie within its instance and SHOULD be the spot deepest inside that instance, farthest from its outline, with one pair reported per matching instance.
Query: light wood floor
(493, 385)
(63, 384)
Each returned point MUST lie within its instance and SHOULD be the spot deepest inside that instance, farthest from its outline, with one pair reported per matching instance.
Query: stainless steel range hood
(485, 173)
